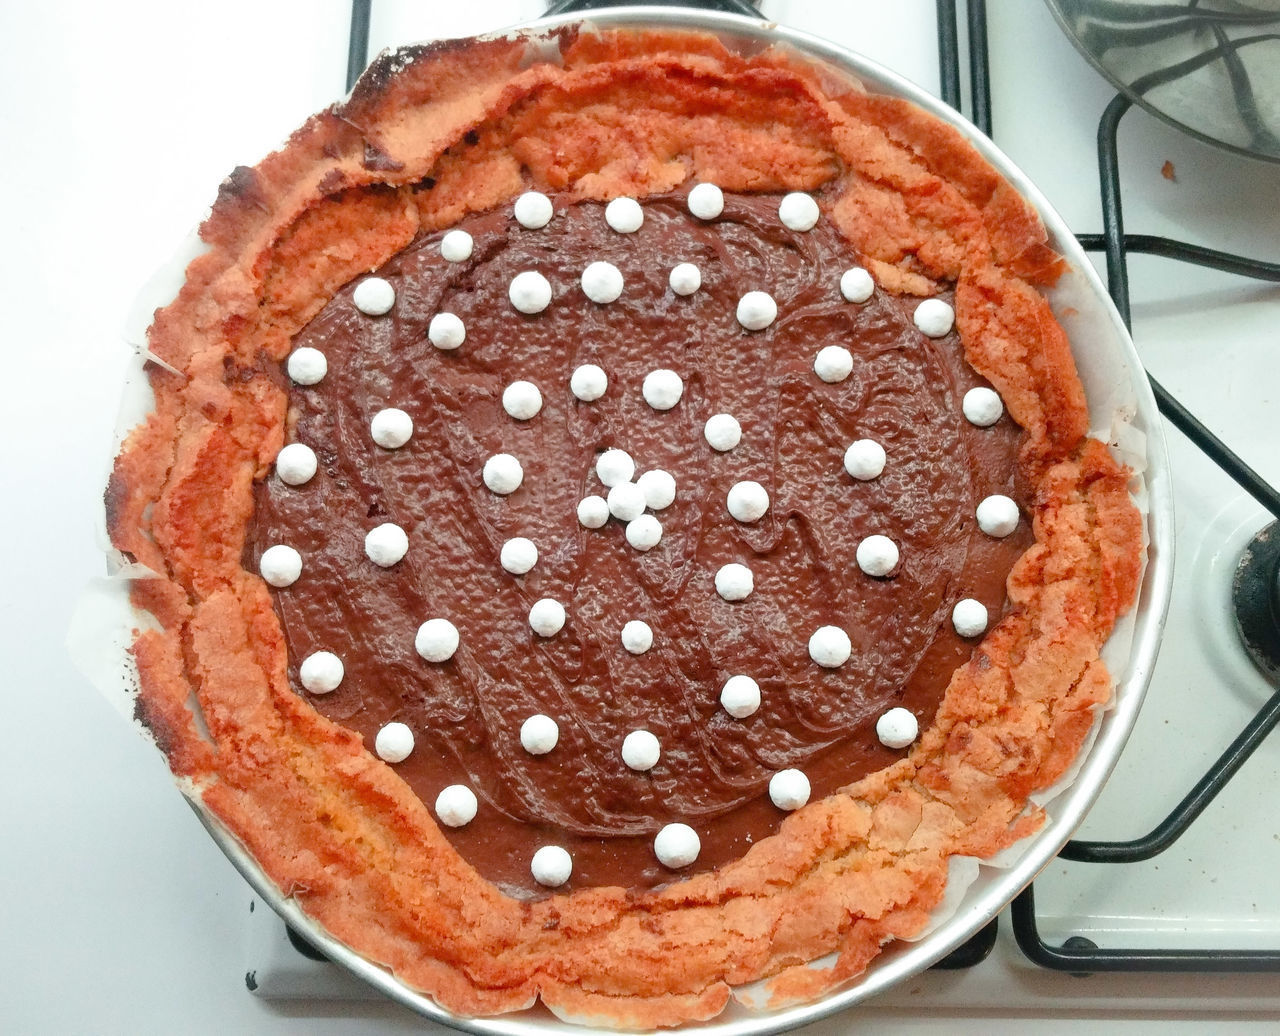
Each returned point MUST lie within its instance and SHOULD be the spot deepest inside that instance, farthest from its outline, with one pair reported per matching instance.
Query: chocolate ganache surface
(905, 392)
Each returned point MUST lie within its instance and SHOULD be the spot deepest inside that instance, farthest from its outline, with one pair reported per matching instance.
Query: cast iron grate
(1078, 954)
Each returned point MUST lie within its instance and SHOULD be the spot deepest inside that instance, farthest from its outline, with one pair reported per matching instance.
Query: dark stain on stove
(251, 980)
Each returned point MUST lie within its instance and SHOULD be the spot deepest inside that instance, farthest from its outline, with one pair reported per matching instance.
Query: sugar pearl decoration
(789, 789)
(833, 364)
(280, 565)
(626, 501)
(551, 866)
(798, 211)
(296, 464)
(722, 432)
(969, 617)
(637, 637)
(856, 285)
(624, 215)
(982, 407)
(533, 210)
(735, 582)
(446, 331)
(456, 805)
(386, 544)
(588, 383)
(436, 640)
(394, 743)
(530, 292)
(934, 318)
(539, 734)
(644, 532)
(391, 428)
(740, 696)
(659, 489)
(321, 672)
(593, 512)
(864, 459)
(662, 389)
(518, 555)
(456, 246)
(614, 467)
(997, 516)
(503, 474)
(522, 400)
(757, 310)
(547, 617)
(830, 646)
(748, 501)
(641, 750)
(307, 366)
(877, 556)
(374, 296)
(685, 278)
(897, 728)
(602, 282)
(706, 201)
(676, 846)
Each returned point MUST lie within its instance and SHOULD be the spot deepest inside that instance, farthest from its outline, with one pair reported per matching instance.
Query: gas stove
(1185, 920)
(1209, 338)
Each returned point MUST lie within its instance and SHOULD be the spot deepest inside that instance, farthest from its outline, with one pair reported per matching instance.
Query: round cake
(622, 519)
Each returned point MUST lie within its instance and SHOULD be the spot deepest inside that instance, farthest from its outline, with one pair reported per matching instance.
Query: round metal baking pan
(1122, 410)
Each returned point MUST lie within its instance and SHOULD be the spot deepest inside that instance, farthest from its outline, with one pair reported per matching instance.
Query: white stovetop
(121, 916)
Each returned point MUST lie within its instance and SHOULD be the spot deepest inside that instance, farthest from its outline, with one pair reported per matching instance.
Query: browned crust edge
(335, 827)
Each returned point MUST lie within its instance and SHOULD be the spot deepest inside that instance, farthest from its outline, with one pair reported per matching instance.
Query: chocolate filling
(466, 714)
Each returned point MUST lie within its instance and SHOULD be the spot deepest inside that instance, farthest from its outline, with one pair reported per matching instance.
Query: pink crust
(431, 134)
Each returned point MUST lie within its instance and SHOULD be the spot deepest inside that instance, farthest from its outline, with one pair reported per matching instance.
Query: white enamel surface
(197, 907)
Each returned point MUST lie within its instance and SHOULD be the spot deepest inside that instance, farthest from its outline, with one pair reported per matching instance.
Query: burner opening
(1255, 594)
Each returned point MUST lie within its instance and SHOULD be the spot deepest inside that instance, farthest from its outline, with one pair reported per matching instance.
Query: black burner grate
(1078, 955)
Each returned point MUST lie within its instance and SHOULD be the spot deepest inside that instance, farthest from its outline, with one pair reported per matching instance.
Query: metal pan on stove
(1122, 411)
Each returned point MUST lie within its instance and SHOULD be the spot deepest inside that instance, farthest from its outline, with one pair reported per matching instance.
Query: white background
(117, 914)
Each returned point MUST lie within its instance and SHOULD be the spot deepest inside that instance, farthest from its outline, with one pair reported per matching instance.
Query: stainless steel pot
(1122, 411)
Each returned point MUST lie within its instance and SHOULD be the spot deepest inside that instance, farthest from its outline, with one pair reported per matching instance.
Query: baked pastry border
(333, 826)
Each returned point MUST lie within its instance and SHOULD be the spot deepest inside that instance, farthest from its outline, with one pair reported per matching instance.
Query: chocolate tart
(441, 138)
